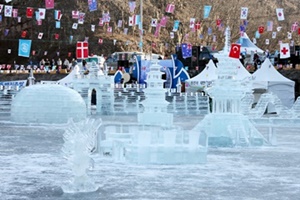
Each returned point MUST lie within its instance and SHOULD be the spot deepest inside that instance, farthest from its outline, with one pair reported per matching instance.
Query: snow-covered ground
(32, 167)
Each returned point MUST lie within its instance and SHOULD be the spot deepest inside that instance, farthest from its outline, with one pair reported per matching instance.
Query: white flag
(1, 7)
(75, 25)
(254, 40)
(284, 50)
(267, 42)
(278, 28)
(130, 22)
(244, 13)
(7, 11)
(42, 13)
(40, 36)
(93, 27)
(289, 35)
(280, 15)
(192, 22)
(154, 22)
(273, 35)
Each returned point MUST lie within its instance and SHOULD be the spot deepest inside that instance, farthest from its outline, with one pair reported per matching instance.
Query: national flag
(284, 50)
(93, 27)
(57, 14)
(153, 22)
(125, 31)
(42, 13)
(71, 39)
(19, 19)
(171, 35)
(278, 28)
(24, 34)
(197, 25)
(261, 29)
(176, 25)
(257, 35)
(101, 23)
(186, 50)
(106, 17)
(40, 35)
(130, 21)
(49, 4)
(299, 31)
(120, 22)
(132, 6)
(0, 18)
(100, 41)
(1, 8)
(137, 19)
(157, 30)
(57, 24)
(163, 21)
(235, 51)
(214, 38)
(242, 28)
(209, 31)
(192, 22)
(75, 25)
(244, 13)
(274, 35)
(24, 48)
(75, 14)
(81, 18)
(6, 31)
(294, 26)
(280, 14)
(289, 35)
(29, 12)
(56, 36)
(92, 5)
(82, 50)
(109, 29)
(270, 26)
(8, 11)
(170, 8)
(267, 42)
(39, 22)
(218, 22)
(206, 11)
(254, 40)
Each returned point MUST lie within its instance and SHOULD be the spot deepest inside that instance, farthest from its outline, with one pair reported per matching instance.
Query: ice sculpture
(49, 103)
(155, 140)
(79, 143)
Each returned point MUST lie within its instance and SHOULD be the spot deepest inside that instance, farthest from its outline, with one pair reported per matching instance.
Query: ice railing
(7, 93)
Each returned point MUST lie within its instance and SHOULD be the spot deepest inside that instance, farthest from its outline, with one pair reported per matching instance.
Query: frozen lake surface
(32, 167)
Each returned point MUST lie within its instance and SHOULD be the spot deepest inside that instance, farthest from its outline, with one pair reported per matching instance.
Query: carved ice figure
(80, 142)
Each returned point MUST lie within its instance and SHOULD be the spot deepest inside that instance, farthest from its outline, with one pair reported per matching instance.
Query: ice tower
(226, 125)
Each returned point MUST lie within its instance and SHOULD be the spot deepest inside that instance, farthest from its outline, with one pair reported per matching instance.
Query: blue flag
(206, 11)
(186, 50)
(257, 35)
(24, 48)
(57, 24)
(92, 5)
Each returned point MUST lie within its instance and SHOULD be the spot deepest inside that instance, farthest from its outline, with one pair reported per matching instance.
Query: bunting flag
(214, 38)
(157, 30)
(24, 48)
(56, 36)
(171, 35)
(42, 13)
(244, 13)
(192, 22)
(100, 41)
(209, 31)
(197, 25)
(261, 29)
(8, 11)
(130, 21)
(92, 5)
(254, 40)
(235, 51)
(218, 22)
(120, 22)
(257, 35)
(39, 22)
(24, 34)
(270, 26)
(1, 8)
(278, 28)
(19, 19)
(81, 18)
(267, 42)
(75, 14)
(49, 4)
(176, 25)
(137, 19)
(289, 35)
(15, 13)
(170, 8)
(6, 31)
(186, 50)
(206, 11)
(274, 35)
(0, 18)
(109, 29)
(82, 50)
(280, 14)
(299, 31)
(40, 35)
(125, 31)
(132, 6)
(29, 12)
(71, 39)
(163, 21)
(101, 23)
(154, 22)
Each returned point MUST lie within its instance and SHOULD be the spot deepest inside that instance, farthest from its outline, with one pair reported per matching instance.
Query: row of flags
(279, 13)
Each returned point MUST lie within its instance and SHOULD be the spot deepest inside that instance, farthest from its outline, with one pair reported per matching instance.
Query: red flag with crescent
(235, 51)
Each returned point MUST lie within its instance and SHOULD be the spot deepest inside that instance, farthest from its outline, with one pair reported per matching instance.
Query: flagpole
(141, 26)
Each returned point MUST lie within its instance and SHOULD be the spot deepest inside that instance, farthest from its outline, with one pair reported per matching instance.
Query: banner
(20, 83)
(206, 11)
(82, 50)
(24, 48)
(92, 5)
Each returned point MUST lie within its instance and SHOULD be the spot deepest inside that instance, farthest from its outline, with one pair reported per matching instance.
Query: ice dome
(49, 103)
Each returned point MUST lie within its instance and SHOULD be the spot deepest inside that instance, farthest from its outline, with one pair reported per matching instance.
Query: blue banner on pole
(206, 11)
(176, 25)
(24, 48)
(92, 5)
